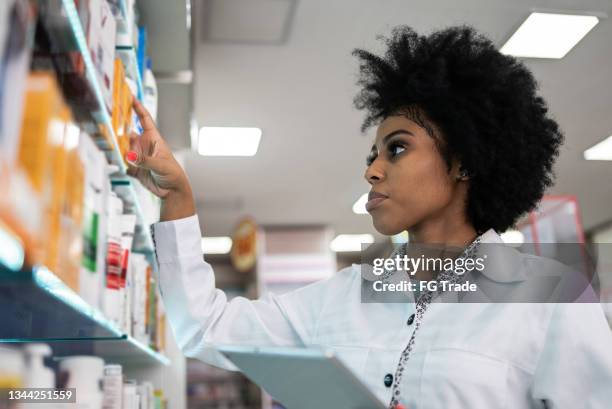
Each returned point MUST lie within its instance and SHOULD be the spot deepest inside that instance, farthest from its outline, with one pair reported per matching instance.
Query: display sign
(244, 245)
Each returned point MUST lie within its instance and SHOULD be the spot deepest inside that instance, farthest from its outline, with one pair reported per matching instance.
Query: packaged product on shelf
(12, 368)
(149, 205)
(85, 374)
(151, 313)
(140, 268)
(71, 218)
(160, 401)
(150, 91)
(121, 115)
(101, 35)
(118, 112)
(37, 375)
(42, 156)
(142, 49)
(146, 393)
(16, 31)
(130, 395)
(128, 224)
(113, 387)
(161, 324)
(97, 185)
(112, 292)
(126, 24)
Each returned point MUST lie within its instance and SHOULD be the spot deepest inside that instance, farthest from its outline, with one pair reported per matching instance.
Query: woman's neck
(448, 232)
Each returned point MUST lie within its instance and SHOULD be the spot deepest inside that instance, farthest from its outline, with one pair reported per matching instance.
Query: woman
(464, 147)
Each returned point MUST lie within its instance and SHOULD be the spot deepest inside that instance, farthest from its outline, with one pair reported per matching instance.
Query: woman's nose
(374, 173)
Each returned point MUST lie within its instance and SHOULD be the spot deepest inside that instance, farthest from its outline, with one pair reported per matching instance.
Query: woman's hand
(151, 161)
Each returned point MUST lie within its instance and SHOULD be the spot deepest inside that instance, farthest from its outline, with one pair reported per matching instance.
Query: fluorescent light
(359, 205)
(545, 35)
(513, 237)
(228, 141)
(600, 151)
(350, 242)
(216, 245)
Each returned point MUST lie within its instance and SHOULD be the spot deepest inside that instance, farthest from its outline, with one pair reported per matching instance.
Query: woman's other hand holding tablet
(151, 161)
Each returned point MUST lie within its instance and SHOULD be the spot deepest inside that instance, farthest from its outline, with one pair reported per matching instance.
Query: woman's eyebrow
(391, 134)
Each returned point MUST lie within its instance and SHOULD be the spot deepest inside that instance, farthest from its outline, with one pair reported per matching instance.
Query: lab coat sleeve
(575, 366)
(201, 316)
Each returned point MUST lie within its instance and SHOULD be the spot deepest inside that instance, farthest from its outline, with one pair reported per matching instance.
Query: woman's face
(407, 169)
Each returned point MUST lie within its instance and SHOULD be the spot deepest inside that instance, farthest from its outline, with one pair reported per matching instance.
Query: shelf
(125, 350)
(36, 306)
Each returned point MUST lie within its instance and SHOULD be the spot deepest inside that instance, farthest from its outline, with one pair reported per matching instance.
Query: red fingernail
(131, 156)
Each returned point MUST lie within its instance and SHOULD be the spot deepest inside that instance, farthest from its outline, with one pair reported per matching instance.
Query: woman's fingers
(145, 118)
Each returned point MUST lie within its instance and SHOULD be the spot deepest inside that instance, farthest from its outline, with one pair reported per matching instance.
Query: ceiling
(310, 164)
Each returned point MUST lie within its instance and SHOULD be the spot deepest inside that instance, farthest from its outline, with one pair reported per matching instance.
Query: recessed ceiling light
(350, 242)
(228, 141)
(600, 151)
(546, 35)
(359, 205)
(216, 245)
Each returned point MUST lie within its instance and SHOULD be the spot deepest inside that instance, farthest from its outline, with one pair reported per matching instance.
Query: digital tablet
(303, 378)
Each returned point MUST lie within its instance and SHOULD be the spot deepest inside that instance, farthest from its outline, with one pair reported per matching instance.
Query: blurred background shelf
(36, 306)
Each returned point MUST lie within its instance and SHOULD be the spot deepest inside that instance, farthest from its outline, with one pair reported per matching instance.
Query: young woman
(464, 147)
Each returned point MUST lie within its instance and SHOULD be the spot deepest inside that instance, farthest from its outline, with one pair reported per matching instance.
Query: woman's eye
(394, 149)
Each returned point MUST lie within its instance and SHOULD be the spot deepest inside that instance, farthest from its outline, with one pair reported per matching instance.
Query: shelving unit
(36, 306)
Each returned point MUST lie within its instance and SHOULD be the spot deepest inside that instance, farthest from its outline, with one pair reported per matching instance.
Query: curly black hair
(485, 105)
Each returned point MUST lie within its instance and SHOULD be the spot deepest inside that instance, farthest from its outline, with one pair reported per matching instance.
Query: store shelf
(125, 350)
(36, 306)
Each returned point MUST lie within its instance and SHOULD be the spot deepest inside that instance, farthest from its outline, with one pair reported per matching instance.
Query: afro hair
(485, 105)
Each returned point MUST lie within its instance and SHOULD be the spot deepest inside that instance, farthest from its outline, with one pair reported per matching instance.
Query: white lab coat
(472, 355)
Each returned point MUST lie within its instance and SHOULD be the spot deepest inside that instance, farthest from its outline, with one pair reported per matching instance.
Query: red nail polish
(131, 156)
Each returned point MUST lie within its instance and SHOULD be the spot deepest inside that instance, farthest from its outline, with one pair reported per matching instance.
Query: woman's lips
(374, 200)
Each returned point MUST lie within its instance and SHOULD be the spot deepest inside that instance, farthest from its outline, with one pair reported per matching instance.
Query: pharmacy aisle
(79, 302)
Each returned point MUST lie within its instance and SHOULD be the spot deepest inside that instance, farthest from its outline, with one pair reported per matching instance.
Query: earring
(463, 174)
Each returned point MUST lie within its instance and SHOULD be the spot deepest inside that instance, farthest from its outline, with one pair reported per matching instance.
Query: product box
(128, 225)
(101, 34)
(42, 158)
(63, 241)
(112, 290)
(140, 268)
(71, 239)
(117, 114)
(96, 184)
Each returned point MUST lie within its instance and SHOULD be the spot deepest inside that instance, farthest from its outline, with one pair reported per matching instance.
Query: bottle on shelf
(37, 375)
